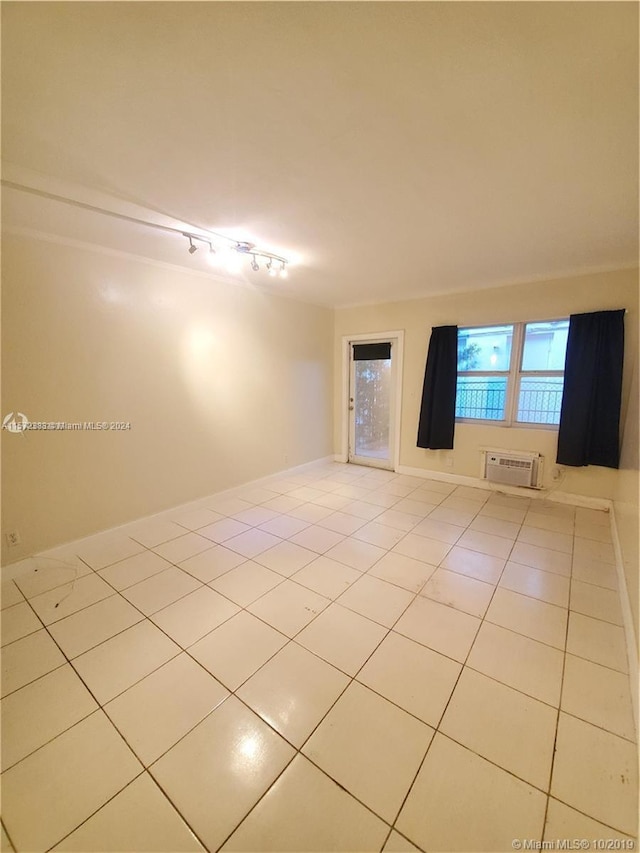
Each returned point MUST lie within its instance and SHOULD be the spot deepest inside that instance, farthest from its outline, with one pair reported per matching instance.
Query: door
(372, 403)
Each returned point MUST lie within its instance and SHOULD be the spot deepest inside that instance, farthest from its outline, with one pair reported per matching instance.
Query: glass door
(371, 395)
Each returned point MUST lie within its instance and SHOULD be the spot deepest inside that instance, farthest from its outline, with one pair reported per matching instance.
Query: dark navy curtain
(590, 413)
(438, 409)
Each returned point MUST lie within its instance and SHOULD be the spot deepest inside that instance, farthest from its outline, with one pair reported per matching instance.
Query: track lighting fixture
(229, 255)
(221, 247)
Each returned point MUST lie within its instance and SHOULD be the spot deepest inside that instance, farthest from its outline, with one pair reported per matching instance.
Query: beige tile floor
(345, 659)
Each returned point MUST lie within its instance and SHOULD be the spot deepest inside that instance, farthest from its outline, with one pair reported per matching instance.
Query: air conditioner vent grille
(515, 463)
(514, 469)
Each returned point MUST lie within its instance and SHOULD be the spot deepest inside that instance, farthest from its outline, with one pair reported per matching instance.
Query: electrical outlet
(449, 461)
(556, 474)
(13, 538)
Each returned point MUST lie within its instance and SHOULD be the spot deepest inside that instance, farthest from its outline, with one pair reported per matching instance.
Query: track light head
(255, 266)
(192, 248)
(283, 271)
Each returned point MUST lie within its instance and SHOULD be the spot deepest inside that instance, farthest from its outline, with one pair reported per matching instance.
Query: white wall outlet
(13, 538)
(448, 460)
(556, 473)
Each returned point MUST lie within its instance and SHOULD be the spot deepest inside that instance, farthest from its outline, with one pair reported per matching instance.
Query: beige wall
(535, 301)
(626, 501)
(222, 384)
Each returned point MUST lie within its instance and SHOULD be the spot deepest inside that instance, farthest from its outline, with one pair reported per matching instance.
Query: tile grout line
(147, 617)
(292, 639)
(352, 679)
(4, 828)
(290, 577)
(183, 650)
(101, 708)
(444, 711)
(299, 749)
(451, 695)
(555, 737)
(97, 710)
(145, 772)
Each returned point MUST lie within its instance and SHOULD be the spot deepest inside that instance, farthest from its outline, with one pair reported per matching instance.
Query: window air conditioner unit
(513, 469)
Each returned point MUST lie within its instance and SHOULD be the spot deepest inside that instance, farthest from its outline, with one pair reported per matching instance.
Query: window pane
(485, 349)
(372, 399)
(540, 399)
(545, 345)
(481, 397)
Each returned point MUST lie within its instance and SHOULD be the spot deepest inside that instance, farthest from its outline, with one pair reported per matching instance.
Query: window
(512, 374)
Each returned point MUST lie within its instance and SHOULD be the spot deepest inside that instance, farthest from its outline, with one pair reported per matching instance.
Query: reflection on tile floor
(340, 659)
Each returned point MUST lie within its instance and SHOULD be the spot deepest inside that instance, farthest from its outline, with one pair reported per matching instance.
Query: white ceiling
(394, 149)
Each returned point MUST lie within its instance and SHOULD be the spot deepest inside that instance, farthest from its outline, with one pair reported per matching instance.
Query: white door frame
(396, 362)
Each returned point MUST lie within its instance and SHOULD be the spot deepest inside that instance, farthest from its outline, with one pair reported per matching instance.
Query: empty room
(319, 426)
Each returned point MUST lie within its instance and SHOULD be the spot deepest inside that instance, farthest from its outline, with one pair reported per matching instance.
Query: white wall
(221, 383)
(535, 301)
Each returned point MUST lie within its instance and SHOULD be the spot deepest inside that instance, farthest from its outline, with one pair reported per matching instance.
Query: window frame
(514, 375)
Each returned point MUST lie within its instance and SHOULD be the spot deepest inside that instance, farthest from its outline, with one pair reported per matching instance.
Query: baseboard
(479, 483)
(585, 501)
(441, 476)
(627, 620)
(261, 481)
(6, 572)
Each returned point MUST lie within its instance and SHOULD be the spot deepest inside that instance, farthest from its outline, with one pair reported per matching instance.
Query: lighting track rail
(222, 250)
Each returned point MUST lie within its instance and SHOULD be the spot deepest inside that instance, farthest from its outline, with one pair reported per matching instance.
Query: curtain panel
(590, 414)
(438, 410)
